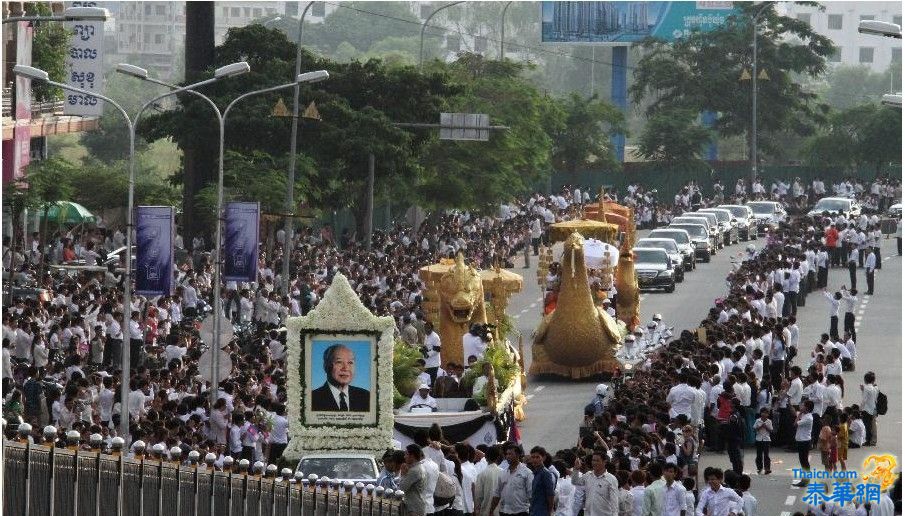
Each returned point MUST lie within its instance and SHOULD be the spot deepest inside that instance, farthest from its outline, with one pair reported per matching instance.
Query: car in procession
(716, 240)
(683, 242)
(697, 231)
(744, 220)
(726, 222)
(768, 214)
(672, 250)
(836, 206)
(654, 269)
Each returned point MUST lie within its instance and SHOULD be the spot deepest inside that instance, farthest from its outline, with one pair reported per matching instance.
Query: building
(839, 21)
(152, 34)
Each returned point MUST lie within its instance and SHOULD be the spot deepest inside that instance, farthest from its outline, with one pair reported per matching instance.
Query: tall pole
(424, 26)
(369, 220)
(753, 156)
(293, 142)
(503, 28)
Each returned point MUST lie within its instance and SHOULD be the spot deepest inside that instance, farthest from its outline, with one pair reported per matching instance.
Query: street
(554, 409)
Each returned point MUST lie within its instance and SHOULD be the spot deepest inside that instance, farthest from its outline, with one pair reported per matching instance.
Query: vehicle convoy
(683, 242)
(744, 219)
(703, 247)
(726, 222)
(654, 269)
(836, 206)
(672, 250)
(713, 232)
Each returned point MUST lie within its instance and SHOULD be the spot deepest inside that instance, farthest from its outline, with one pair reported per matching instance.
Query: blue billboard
(624, 23)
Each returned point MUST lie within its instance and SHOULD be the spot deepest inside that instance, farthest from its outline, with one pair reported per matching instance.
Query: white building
(154, 32)
(839, 22)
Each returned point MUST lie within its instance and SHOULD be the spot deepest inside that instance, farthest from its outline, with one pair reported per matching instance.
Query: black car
(654, 269)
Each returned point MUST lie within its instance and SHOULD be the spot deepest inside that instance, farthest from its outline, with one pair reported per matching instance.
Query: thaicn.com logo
(878, 475)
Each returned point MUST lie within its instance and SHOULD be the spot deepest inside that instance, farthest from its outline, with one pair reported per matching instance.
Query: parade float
(455, 295)
(577, 338)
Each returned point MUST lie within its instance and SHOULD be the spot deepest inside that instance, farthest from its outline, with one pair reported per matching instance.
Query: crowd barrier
(43, 480)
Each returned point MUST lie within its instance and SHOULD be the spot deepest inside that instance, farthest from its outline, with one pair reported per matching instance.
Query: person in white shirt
(601, 487)
(763, 427)
(804, 424)
(718, 500)
(422, 398)
(681, 398)
(870, 266)
(673, 492)
(869, 393)
(432, 347)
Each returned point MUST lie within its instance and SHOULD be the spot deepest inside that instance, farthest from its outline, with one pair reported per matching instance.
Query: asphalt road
(555, 406)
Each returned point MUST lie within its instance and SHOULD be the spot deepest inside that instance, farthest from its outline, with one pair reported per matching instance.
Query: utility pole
(369, 220)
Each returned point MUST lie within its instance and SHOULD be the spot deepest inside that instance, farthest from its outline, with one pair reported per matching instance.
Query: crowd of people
(740, 380)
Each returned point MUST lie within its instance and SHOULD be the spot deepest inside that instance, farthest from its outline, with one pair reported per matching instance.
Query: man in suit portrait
(338, 394)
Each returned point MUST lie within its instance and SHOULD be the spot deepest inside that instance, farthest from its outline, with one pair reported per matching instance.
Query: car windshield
(738, 211)
(649, 256)
(689, 219)
(693, 229)
(342, 468)
(762, 208)
(678, 236)
(667, 245)
(721, 216)
(832, 205)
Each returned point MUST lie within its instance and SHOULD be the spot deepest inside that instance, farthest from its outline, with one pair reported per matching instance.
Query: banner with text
(154, 253)
(240, 247)
(85, 65)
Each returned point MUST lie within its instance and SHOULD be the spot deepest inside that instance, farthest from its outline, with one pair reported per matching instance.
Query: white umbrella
(595, 256)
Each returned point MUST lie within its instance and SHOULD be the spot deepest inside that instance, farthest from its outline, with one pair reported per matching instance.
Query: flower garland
(339, 312)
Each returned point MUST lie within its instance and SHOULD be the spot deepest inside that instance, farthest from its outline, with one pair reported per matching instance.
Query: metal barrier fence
(45, 481)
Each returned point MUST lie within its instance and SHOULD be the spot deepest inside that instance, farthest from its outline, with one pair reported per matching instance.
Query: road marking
(860, 312)
(516, 316)
(790, 499)
(540, 388)
(785, 513)
(528, 397)
(533, 305)
(887, 258)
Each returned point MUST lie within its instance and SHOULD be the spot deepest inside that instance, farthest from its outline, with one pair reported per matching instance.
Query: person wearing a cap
(422, 398)
(598, 405)
(608, 307)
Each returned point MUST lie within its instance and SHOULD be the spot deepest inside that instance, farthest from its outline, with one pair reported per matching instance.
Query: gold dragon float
(578, 339)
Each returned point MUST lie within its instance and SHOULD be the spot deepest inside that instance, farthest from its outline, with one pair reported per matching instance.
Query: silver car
(727, 224)
(683, 242)
(703, 246)
(716, 239)
(744, 219)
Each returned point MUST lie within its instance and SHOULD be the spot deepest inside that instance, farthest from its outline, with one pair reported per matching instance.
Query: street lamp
(503, 28)
(424, 26)
(754, 78)
(69, 14)
(41, 75)
(307, 77)
(880, 28)
(293, 145)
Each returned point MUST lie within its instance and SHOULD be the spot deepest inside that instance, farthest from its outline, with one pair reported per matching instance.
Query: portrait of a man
(337, 394)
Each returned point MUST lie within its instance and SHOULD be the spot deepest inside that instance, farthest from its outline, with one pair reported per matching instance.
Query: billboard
(241, 241)
(625, 23)
(154, 250)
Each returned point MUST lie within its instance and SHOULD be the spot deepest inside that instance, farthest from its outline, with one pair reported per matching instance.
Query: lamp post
(503, 28)
(41, 75)
(221, 119)
(69, 14)
(424, 26)
(293, 143)
(754, 92)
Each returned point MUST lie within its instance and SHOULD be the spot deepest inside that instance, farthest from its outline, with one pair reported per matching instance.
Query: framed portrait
(340, 379)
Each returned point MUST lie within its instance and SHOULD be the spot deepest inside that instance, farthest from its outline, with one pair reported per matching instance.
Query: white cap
(630, 338)
(658, 317)
(424, 386)
(601, 389)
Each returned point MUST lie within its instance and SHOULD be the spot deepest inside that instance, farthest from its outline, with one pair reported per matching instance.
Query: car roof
(762, 202)
(715, 208)
(655, 239)
(731, 206)
(655, 249)
(338, 455)
(835, 199)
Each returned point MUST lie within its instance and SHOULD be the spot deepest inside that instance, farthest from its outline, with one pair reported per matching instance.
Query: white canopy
(595, 254)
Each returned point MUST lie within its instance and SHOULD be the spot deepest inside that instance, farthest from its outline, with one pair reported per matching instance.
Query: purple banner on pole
(154, 253)
(240, 249)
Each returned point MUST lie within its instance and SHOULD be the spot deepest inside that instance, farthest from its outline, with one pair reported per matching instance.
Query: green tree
(583, 139)
(701, 73)
(51, 181)
(49, 48)
(849, 86)
(673, 136)
(17, 197)
(110, 141)
(862, 135)
(477, 175)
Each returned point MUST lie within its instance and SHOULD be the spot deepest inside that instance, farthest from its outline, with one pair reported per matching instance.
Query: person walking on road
(850, 301)
(870, 267)
(869, 393)
(804, 423)
(833, 300)
(853, 266)
(763, 427)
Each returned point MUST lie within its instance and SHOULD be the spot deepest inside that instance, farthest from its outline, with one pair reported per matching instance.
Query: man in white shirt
(673, 492)
(432, 347)
(804, 424)
(601, 487)
(870, 266)
(718, 500)
(869, 392)
(681, 398)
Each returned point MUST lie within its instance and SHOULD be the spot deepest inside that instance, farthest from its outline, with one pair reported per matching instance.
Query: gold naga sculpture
(578, 339)
(454, 300)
